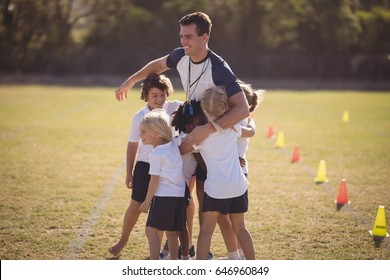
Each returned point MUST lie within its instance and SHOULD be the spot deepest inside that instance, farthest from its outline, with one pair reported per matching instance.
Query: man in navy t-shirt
(199, 69)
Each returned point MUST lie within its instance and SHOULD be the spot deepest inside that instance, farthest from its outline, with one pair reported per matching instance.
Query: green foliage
(376, 26)
(107, 36)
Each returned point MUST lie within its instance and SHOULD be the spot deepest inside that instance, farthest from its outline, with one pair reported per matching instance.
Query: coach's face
(194, 45)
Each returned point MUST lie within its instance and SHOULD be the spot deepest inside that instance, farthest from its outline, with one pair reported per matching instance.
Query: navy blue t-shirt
(212, 71)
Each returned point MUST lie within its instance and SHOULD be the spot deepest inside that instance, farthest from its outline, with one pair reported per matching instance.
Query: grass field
(63, 196)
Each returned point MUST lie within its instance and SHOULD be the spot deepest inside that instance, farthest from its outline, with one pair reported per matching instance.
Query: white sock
(241, 252)
(234, 255)
(165, 252)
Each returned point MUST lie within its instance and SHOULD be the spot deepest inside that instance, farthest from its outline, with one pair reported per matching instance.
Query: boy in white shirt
(154, 90)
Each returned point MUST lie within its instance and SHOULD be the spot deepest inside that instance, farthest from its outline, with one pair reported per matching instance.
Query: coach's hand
(199, 133)
(121, 92)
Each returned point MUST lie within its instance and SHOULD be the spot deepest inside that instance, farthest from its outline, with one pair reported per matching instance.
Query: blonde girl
(165, 196)
(225, 189)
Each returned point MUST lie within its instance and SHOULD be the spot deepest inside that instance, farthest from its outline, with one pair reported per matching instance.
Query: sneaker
(209, 256)
(167, 257)
(163, 254)
(179, 252)
(192, 251)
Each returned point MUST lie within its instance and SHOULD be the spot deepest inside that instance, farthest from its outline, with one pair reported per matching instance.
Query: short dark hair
(201, 20)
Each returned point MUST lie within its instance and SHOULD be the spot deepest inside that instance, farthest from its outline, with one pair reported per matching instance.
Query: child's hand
(242, 161)
(144, 206)
(129, 181)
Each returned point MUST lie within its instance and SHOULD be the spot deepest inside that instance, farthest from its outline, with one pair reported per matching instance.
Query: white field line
(86, 228)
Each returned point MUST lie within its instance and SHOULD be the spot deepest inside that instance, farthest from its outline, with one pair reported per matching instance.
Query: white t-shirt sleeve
(237, 129)
(155, 164)
(178, 139)
(134, 135)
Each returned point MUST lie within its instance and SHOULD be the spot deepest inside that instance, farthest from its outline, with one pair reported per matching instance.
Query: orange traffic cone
(271, 132)
(296, 154)
(342, 196)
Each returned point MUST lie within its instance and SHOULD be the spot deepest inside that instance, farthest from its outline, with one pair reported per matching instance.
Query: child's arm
(132, 148)
(153, 183)
(250, 129)
(200, 161)
(185, 148)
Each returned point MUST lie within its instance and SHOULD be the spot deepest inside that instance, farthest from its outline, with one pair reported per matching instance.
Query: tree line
(312, 39)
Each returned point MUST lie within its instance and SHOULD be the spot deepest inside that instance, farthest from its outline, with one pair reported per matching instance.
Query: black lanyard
(196, 82)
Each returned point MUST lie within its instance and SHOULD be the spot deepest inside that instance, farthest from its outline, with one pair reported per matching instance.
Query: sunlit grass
(61, 146)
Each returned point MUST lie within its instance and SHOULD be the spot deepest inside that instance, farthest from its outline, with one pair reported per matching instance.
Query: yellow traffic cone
(346, 116)
(280, 140)
(379, 229)
(321, 173)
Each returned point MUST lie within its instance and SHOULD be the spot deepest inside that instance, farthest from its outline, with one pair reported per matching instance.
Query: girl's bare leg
(243, 235)
(154, 237)
(173, 244)
(227, 233)
(191, 213)
(199, 195)
(209, 221)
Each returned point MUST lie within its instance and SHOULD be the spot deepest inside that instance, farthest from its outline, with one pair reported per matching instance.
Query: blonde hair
(214, 102)
(254, 98)
(158, 120)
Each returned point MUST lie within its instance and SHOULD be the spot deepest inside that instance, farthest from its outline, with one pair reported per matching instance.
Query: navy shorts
(167, 213)
(226, 206)
(141, 180)
(200, 174)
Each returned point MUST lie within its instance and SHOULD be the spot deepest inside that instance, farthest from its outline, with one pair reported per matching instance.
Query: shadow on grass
(340, 205)
(112, 258)
(378, 240)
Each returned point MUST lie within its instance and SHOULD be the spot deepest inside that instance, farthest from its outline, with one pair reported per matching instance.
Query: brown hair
(156, 81)
(201, 20)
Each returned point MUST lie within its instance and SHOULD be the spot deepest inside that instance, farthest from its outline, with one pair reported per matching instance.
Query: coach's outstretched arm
(157, 66)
